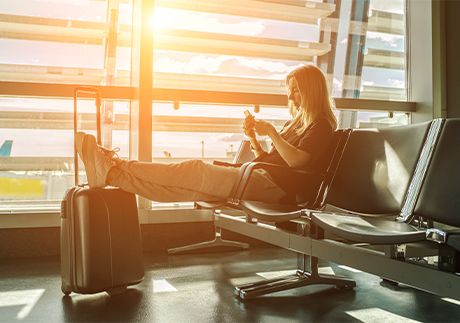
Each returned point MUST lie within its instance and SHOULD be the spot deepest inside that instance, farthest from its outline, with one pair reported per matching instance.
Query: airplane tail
(5, 150)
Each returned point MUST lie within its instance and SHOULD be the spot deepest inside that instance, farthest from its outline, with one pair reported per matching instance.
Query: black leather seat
(438, 201)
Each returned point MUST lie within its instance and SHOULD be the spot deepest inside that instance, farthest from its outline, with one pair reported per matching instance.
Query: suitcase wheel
(65, 289)
(117, 291)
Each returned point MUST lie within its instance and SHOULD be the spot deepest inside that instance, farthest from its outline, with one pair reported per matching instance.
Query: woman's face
(294, 93)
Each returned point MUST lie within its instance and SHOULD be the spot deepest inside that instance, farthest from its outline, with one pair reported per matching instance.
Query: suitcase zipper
(110, 239)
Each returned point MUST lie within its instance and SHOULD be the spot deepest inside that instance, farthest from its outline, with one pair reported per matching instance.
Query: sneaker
(97, 163)
(79, 143)
(112, 154)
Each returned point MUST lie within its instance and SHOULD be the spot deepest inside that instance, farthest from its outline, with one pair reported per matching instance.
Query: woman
(298, 145)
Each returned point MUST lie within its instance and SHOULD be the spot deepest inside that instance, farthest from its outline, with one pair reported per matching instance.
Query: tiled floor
(199, 288)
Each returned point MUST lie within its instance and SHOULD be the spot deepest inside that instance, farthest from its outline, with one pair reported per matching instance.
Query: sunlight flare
(378, 315)
(162, 286)
(27, 298)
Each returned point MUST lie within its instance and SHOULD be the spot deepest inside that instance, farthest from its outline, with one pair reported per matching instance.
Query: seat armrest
(436, 235)
(444, 237)
(247, 169)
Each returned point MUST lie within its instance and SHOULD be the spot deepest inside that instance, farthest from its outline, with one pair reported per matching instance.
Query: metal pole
(354, 59)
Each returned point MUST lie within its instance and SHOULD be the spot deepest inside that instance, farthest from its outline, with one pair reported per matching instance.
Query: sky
(57, 143)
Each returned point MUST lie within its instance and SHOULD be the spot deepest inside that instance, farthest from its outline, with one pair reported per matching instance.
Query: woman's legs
(193, 174)
(191, 180)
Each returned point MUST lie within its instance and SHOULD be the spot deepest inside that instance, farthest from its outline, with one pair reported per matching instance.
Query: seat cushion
(367, 229)
(270, 212)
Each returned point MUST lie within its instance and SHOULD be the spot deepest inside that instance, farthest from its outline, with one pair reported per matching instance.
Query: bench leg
(299, 279)
(217, 242)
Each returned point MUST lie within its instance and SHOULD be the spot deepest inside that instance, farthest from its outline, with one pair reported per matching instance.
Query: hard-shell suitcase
(101, 248)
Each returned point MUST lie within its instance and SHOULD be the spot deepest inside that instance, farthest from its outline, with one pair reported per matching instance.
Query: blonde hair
(316, 100)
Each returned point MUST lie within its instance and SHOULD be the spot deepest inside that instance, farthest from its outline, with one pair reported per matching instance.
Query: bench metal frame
(384, 263)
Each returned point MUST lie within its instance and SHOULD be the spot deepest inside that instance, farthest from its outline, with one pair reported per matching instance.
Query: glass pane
(204, 131)
(241, 51)
(38, 164)
(359, 45)
(382, 119)
(370, 56)
(73, 42)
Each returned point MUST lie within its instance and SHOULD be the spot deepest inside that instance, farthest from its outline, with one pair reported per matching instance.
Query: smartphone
(247, 113)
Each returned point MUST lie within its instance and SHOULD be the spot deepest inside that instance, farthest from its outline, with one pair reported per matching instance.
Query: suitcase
(101, 247)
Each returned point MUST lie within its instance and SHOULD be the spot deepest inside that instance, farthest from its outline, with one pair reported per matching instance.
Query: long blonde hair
(316, 100)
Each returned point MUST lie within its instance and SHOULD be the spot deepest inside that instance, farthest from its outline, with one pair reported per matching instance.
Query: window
(71, 42)
(211, 60)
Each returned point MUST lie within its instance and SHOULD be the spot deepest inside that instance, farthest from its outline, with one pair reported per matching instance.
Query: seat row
(387, 199)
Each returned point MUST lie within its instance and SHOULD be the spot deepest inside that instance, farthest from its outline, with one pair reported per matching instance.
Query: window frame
(141, 94)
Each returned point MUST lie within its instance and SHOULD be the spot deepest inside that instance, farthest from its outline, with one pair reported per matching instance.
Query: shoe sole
(79, 144)
(89, 148)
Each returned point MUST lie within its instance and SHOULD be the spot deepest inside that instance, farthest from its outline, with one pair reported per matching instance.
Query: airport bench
(393, 188)
(432, 213)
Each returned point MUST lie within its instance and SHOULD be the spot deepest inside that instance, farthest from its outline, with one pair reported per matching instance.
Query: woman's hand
(294, 157)
(248, 126)
(263, 128)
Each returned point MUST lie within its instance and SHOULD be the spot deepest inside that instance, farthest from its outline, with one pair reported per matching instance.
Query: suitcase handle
(85, 89)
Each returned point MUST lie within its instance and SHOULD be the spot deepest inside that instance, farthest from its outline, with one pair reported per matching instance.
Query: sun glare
(178, 19)
(378, 315)
(26, 298)
(162, 286)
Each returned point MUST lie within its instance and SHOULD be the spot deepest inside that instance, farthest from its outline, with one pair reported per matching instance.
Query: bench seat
(377, 184)
(436, 199)
(368, 229)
